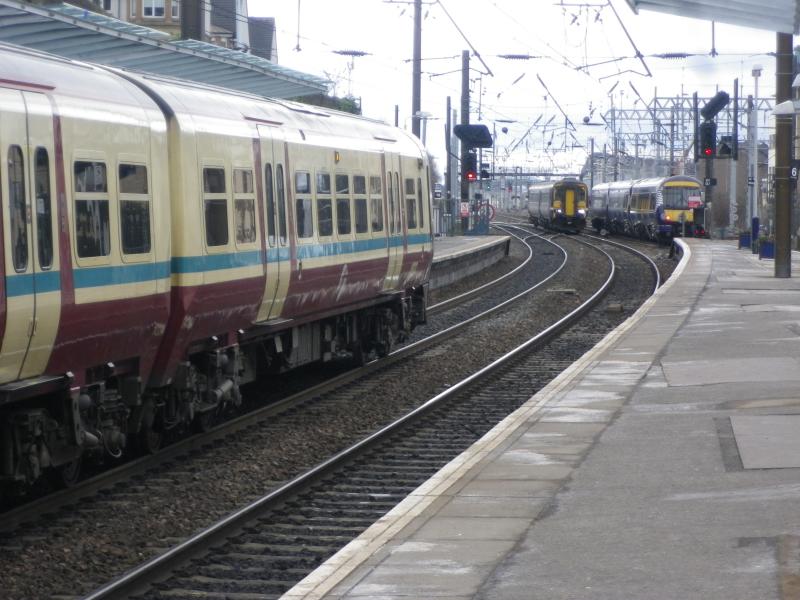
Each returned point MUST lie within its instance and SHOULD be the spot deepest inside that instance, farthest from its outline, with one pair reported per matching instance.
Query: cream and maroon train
(164, 243)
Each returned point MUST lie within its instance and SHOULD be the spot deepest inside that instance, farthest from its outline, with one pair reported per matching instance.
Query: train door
(569, 202)
(32, 292)
(273, 163)
(394, 235)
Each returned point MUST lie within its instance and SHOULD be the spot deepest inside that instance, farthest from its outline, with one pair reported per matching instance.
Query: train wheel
(360, 356)
(68, 474)
(384, 347)
(205, 420)
(149, 440)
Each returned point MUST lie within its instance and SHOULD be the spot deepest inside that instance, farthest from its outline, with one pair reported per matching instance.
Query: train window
(359, 184)
(420, 204)
(398, 204)
(324, 205)
(16, 201)
(44, 218)
(90, 177)
(214, 181)
(305, 219)
(216, 208)
(325, 216)
(392, 226)
(376, 203)
(270, 204)
(343, 219)
(323, 183)
(245, 205)
(411, 204)
(92, 224)
(342, 184)
(132, 179)
(216, 222)
(302, 182)
(242, 181)
(134, 209)
(375, 185)
(362, 215)
(245, 221)
(135, 221)
(279, 188)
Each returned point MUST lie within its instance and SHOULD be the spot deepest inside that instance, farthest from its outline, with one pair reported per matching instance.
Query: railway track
(330, 376)
(134, 482)
(270, 545)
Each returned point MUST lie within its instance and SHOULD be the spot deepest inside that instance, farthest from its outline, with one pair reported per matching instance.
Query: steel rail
(461, 298)
(138, 579)
(30, 511)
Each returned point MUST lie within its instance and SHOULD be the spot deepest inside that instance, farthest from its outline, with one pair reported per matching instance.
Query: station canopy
(79, 34)
(781, 16)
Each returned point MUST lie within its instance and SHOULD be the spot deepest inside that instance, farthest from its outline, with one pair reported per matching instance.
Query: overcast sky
(581, 52)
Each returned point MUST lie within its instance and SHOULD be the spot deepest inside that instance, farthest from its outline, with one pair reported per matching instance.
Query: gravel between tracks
(135, 521)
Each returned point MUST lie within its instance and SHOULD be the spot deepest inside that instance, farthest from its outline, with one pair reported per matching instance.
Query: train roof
(222, 109)
(553, 182)
(651, 182)
(38, 71)
(235, 109)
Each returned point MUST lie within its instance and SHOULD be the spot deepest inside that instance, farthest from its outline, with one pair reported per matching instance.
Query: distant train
(559, 204)
(654, 209)
(163, 243)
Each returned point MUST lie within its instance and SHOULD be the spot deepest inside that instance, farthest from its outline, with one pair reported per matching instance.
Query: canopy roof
(79, 34)
(781, 16)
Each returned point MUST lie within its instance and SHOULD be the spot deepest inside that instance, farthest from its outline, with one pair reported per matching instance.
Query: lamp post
(753, 179)
(494, 141)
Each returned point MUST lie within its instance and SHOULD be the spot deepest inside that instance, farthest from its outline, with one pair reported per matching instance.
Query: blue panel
(23, 284)
(100, 276)
(216, 262)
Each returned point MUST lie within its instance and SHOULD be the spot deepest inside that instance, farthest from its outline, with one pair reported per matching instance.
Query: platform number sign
(794, 169)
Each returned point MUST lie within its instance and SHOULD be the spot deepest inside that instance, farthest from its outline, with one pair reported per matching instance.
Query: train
(559, 204)
(165, 243)
(657, 209)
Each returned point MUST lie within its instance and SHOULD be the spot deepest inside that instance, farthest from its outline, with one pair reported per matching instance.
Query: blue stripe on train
(49, 281)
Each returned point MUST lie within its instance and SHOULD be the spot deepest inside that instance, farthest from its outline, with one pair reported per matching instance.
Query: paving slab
(663, 465)
(768, 442)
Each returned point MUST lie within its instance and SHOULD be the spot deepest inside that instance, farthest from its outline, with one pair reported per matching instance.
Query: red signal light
(708, 151)
(471, 176)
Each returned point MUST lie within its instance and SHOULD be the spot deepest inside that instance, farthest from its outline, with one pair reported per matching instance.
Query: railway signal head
(708, 139)
(470, 168)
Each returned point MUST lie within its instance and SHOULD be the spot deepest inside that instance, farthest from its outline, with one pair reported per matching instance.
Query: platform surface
(661, 465)
(445, 248)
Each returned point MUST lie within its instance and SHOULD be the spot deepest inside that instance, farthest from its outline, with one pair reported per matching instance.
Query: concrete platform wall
(454, 266)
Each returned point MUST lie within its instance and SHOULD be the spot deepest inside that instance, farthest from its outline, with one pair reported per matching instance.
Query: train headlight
(581, 212)
(558, 211)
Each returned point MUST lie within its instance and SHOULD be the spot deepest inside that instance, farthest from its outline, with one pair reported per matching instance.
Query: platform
(456, 257)
(661, 465)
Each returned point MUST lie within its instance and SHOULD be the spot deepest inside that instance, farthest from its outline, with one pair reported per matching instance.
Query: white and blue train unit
(655, 209)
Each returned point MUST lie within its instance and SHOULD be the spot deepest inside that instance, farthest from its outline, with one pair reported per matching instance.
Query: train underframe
(48, 429)
(560, 222)
(647, 230)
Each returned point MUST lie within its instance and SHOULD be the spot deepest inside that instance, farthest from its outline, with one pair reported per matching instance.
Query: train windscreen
(681, 198)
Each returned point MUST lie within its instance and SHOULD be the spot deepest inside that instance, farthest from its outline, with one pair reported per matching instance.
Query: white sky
(564, 36)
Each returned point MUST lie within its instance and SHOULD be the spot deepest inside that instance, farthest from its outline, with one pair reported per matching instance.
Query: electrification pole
(417, 69)
(464, 121)
(783, 155)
